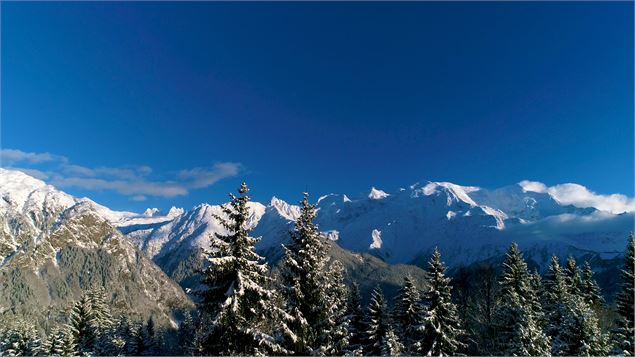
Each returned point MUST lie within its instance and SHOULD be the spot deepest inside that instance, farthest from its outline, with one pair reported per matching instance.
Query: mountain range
(53, 245)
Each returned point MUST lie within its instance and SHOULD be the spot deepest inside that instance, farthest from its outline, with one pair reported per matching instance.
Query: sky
(157, 104)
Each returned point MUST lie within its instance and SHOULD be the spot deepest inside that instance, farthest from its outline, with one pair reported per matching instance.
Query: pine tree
(20, 339)
(555, 298)
(391, 345)
(590, 289)
(54, 342)
(312, 287)
(441, 321)
(101, 322)
(124, 335)
(518, 326)
(537, 299)
(136, 345)
(622, 336)
(334, 339)
(356, 320)
(150, 338)
(68, 347)
(580, 334)
(573, 277)
(81, 325)
(377, 324)
(99, 309)
(237, 300)
(408, 316)
(186, 334)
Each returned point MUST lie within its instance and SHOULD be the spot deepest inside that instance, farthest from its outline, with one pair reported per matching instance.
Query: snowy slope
(53, 246)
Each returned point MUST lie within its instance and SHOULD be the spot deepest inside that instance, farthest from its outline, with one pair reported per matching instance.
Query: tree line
(307, 308)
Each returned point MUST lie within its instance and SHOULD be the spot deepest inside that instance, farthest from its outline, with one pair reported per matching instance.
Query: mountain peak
(376, 194)
(455, 192)
(151, 212)
(289, 212)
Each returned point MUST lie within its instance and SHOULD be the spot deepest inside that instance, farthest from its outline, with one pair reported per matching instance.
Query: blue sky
(154, 104)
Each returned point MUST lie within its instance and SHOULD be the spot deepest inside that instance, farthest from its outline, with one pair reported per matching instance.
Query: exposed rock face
(54, 246)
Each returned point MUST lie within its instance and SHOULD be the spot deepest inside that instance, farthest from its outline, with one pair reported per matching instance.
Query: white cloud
(203, 177)
(12, 156)
(151, 188)
(533, 186)
(133, 181)
(580, 196)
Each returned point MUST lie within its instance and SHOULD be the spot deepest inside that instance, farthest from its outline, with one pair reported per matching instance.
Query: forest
(308, 307)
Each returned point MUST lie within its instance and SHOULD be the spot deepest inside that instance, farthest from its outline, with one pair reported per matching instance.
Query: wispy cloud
(133, 181)
(12, 156)
(203, 177)
(580, 196)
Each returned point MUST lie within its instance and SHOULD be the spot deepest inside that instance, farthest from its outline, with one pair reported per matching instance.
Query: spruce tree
(580, 334)
(81, 325)
(408, 316)
(312, 288)
(356, 320)
(573, 276)
(622, 336)
(442, 325)
(186, 334)
(537, 299)
(68, 347)
(150, 338)
(556, 297)
(53, 342)
(236, 301)
(518, 326)
(590, 289)
(20, 339)
(392, 346)
(378, 326)
(101, 322)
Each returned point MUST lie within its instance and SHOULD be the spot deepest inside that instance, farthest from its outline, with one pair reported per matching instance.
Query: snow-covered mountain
(53, 246)
(469, 224)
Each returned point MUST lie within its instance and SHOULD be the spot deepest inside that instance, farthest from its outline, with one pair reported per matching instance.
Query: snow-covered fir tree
(356, 327)
(102, 323)
(150, 338)
(442, 327)
(590, 288)
(125, 336)
(378, 325)
(580, 334)
(519, 331)
(312, 288)
(573, 276)
(391, 345)
(52, 346)
(68, 347)
(237, 300)
(623, 335)
(81, 325)
(555, 298)
(186, 334)
(408, 316)
(19, 338)
(535, 282)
